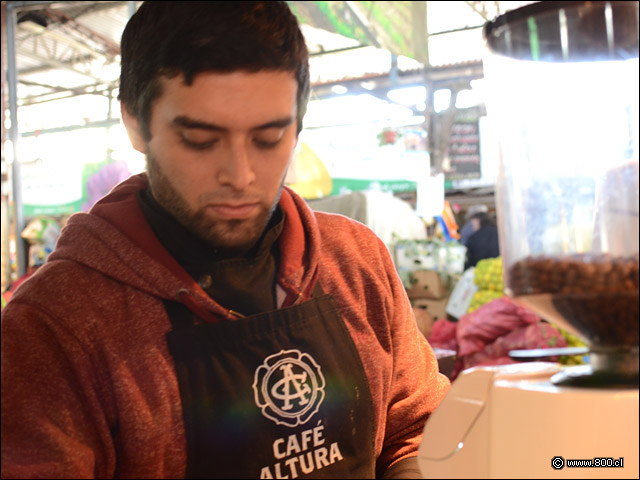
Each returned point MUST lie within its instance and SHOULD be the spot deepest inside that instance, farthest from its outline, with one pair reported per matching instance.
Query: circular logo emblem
(557, 463)
(289, 387)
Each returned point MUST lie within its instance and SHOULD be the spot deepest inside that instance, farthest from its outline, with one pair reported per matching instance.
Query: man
(483, 242)
(201, 320)
(470, 227)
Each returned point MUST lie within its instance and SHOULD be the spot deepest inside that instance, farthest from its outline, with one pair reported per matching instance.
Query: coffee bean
(596, 293)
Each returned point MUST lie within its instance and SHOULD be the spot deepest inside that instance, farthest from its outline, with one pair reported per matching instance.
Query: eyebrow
(186, 122)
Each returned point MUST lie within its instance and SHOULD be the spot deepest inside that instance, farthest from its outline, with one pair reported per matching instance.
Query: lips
(233, 211)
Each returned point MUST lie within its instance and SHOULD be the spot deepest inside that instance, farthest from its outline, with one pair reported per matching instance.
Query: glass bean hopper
(562, 99)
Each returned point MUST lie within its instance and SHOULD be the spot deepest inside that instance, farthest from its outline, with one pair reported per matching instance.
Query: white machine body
(510, 421)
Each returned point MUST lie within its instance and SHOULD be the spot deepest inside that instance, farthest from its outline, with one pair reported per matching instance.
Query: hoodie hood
(115, 239)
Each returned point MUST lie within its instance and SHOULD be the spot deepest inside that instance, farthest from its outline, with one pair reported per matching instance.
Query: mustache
(228, 195)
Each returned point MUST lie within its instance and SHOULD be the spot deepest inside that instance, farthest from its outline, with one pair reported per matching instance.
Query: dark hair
(485, 219)
(172, 38)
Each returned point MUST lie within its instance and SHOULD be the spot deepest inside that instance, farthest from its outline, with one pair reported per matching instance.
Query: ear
(133, 130)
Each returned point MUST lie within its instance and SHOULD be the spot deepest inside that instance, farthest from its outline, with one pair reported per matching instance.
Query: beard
(230, 237)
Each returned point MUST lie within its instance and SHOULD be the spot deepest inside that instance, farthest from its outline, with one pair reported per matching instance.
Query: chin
(234, 239)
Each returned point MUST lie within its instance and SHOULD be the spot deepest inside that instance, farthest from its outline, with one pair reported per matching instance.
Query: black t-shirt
(482, 244)
(243, 284)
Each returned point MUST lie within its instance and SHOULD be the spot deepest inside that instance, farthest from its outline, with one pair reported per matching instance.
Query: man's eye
(260, 143)
(197, 145)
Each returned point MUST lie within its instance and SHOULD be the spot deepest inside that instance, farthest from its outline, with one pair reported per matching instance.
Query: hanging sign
(464, 146)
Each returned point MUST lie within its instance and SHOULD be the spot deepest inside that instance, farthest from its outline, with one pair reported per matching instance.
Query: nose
(237, 169)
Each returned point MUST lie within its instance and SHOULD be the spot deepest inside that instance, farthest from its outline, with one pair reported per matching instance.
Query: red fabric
(492, 320)
(486, 335)
(89, 386)
(443, 335)
(537, 335)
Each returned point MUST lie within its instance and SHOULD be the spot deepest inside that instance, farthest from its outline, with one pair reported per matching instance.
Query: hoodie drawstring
(185, 297)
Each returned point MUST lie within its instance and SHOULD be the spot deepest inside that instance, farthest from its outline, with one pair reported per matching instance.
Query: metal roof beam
(482, 11)
(338, 50)
(58, 64)
(60, 93)
(112, 48)
(61, 37)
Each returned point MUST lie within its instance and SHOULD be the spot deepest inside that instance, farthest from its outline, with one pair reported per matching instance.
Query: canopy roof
(71, 48)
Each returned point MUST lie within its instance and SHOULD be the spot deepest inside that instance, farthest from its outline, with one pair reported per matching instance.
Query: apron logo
(289, 387)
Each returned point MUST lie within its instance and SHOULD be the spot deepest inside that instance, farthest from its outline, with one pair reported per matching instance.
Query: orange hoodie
(88, 384)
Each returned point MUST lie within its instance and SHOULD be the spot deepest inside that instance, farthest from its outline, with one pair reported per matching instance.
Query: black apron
(281, 394)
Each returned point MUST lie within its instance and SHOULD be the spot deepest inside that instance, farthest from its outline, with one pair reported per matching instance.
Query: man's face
(219, 152)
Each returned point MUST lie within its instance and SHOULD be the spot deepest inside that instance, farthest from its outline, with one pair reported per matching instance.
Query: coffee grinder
(562, 99)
